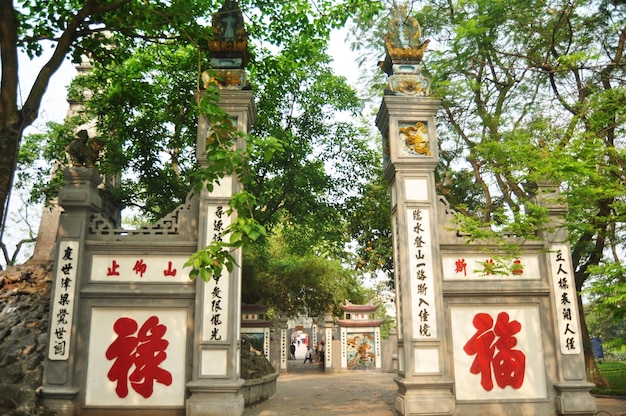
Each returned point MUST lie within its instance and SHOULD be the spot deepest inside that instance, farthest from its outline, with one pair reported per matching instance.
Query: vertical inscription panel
(63, 301)
(565, 300)
(215, 322)
(421, 274)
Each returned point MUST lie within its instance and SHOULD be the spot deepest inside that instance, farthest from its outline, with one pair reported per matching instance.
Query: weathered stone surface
(24, 304)
(253, 363)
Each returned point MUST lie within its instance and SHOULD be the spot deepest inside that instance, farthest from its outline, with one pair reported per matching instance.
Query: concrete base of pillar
(215, 398)
(575, 399)
(60, 400)
(427, 398)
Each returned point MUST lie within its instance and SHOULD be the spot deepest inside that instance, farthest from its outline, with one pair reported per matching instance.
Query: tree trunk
(11, 119)
(593, 373)
(9, 144)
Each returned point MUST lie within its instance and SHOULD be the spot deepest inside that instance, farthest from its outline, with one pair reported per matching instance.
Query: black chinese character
(216, 292)
(66, 268)
(67, 255)
(215, 319)
(214, 334)
(64, 299)
(424, 314)
(60, 333)
(59, 348)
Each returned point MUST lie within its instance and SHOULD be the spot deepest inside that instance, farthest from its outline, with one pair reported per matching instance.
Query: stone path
(307, 390)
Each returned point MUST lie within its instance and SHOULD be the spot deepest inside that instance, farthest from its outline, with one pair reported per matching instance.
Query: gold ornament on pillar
(404, 52)
(229, 49)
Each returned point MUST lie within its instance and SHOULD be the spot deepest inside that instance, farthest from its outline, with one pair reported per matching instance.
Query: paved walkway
(307, 390)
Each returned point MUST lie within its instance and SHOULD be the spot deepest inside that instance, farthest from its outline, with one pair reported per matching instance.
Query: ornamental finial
(228, 47)
(404, 52)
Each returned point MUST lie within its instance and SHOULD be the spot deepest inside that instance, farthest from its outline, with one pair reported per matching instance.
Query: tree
(293, 283)
(93, 29)
(537, 98)
(605, 311)
(145, 116)
(532, 92)
(110, 32)
(369, 222)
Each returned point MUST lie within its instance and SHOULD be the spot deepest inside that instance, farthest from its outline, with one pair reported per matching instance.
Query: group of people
(308, 356)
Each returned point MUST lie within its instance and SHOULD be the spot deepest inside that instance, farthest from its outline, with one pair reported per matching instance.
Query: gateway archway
(120, 296)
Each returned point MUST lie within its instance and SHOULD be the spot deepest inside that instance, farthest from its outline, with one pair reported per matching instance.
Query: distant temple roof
(349, 307)
(359, 323)
(359, 315)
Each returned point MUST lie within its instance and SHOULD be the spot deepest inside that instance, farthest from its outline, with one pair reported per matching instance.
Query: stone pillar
(216, 383)
(79, 198)
(328, 342)
(392, 342)
(572, 387)
(425, 383)
(314, 334)
(49, 223)
(279, 360)
(46, 235)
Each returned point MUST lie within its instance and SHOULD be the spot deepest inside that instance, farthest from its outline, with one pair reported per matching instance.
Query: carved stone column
(279, 360)
(406, 120)
(216, 383)
(571, 386)
(80, 198)
(424, 380)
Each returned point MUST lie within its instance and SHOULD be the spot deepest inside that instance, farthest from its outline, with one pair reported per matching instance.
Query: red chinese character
(145, 352)
(509, 365)
(112, 271)
(461, 266)
(489, 266)
(169, 271)
(140, 267)
(518, 267)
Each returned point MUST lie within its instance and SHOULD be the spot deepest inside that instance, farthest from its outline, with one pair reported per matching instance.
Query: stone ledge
(258, 390)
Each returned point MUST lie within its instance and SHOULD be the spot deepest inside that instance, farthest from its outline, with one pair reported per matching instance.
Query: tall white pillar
(216, 382)
(425, 382)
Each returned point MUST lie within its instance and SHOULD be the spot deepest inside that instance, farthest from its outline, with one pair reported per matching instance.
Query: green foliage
(532, 94)
(605, 312)
(527, 99)
(296, 283)
(369, 222)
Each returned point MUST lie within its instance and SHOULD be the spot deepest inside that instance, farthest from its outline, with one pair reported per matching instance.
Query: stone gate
(478, 334)
(129, 332)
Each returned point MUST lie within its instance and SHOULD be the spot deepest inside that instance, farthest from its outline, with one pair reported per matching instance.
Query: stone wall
(24, 313)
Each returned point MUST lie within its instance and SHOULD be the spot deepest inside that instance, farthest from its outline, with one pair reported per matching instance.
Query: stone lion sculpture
(84, 152)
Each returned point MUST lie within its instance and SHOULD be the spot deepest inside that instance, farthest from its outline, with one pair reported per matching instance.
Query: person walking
(292, 348)
(309, 355)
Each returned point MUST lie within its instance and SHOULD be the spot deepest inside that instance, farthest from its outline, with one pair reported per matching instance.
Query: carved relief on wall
(414, 139)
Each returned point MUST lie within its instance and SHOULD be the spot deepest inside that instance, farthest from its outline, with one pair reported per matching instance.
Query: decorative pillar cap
(404, 53)
(229, 49)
